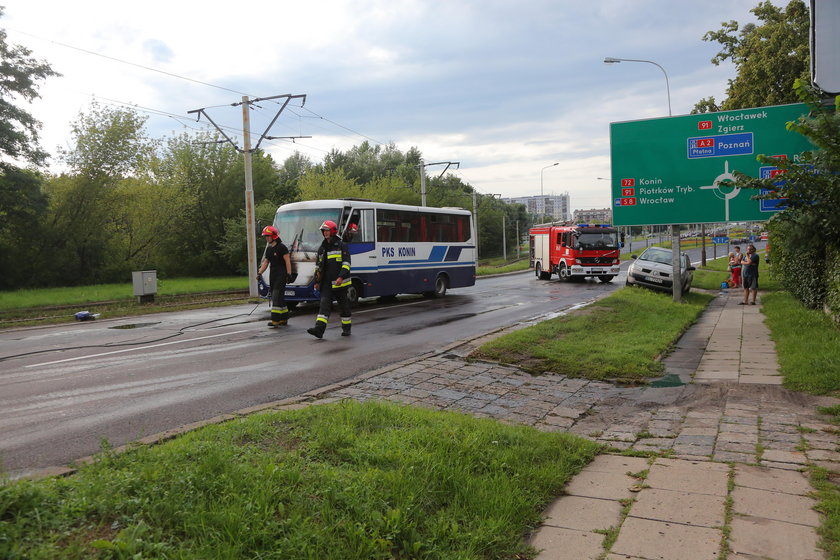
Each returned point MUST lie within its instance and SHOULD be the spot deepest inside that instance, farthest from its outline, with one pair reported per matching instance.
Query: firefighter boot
(318, 330)
(345, 326)
(279, 317)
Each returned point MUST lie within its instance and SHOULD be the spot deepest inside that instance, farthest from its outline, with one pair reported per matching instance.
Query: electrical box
(145, 285)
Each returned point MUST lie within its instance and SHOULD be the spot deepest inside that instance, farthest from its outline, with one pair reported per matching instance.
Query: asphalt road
(65, 388)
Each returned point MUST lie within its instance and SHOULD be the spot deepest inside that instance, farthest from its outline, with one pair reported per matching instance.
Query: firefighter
(277, 255)
(332, 277)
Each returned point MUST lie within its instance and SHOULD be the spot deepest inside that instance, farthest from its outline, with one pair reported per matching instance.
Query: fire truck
(575, 251)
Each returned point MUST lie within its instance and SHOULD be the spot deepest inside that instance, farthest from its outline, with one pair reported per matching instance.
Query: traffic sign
(720, 240)
(680, 170)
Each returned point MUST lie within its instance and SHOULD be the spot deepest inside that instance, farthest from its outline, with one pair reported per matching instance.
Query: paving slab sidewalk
(736, 441)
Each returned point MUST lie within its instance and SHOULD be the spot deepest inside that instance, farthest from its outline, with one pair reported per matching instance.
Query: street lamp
(541, 175)
(611, 60)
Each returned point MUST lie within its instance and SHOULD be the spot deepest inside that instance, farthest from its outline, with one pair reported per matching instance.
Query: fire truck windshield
(597, 240)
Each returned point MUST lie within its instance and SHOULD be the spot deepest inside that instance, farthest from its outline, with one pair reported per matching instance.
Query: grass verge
(618, 337)
(807, 344)
(340, 481)
(828, 496)
(41, 297)
(709, 277)
(513, 267)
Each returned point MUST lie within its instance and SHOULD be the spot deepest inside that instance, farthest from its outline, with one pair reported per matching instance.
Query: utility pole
(422, 183)
(504, 241)
(250, 232)
(423, 167)
(475, 224)
(249, 187)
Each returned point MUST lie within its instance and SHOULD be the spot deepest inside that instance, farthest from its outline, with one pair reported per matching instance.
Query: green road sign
(678, 170)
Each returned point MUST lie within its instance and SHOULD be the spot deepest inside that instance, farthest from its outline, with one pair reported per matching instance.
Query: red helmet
(352, 228)
(329, 225)
(272, 231)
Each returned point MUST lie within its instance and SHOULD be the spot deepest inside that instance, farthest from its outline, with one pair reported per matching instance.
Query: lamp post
(541, 175)
(541, 184)
(611, 60)
(675, 229)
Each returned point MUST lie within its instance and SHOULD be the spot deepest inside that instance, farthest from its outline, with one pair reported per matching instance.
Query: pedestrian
(332, 277)
(749, 275)
(736, 267)
(277, 255)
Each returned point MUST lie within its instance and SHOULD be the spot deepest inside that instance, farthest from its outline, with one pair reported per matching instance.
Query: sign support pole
(676, 285)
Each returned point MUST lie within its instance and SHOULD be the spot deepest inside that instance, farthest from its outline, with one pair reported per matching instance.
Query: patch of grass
(807, 344)
(709, 277)
(828, 503)
(340, 481)
(620, 336)
(40, 297)
(833, 411)
(501, 268)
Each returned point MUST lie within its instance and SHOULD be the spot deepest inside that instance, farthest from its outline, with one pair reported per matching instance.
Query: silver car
(654, 269)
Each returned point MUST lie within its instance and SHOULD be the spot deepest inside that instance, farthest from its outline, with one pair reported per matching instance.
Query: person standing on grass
(749, 275)
(277, 255)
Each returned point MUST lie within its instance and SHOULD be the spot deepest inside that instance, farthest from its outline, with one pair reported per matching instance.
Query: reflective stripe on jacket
(333, 260)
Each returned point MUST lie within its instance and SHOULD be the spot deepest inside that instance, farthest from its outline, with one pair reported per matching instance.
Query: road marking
(133, 349)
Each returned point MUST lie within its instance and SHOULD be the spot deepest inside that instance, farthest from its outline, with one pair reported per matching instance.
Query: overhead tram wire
(149, 68)
(200, 82)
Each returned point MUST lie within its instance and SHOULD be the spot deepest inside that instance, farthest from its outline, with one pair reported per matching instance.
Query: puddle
(671, 380)
(133, 325)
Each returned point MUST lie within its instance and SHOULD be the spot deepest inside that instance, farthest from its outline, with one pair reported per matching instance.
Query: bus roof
(359, 203)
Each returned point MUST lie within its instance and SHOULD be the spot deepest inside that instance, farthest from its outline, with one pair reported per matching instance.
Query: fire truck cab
(575, 251)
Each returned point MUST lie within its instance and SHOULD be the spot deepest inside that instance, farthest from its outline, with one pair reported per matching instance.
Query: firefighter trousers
(327, 295)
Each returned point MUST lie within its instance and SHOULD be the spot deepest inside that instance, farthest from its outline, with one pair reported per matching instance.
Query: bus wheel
(353, 293)
(606, 278)
(441, 285)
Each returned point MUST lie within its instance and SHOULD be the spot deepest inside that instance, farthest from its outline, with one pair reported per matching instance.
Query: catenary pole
(249, 199)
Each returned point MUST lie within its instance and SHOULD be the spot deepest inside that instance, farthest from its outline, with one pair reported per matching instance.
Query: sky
(506, 88)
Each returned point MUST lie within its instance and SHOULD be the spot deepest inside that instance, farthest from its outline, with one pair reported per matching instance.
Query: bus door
(362, 244)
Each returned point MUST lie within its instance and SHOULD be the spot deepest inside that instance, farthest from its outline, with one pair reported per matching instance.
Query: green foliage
(341, 481)
(768, 57)
(807, 233)
(22, 204)
(19, 78)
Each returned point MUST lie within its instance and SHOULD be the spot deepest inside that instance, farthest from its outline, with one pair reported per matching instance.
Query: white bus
(397, 249)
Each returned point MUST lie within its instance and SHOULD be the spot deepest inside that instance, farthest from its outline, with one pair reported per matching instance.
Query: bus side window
(366, 227)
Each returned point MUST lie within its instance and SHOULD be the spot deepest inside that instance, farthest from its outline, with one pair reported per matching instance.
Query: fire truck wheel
(563, 272)
(541, 274)
(606, 278)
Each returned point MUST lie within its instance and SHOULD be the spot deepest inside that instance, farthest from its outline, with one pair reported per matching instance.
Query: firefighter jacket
(333, 260)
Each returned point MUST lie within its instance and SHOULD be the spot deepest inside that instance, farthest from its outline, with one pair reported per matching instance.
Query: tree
(21, 206)
(808, 229)
(19, 77)
(95, 211)
(768, 57)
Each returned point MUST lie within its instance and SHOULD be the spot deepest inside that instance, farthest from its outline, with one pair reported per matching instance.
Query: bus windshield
(598, 240)
(300, 229)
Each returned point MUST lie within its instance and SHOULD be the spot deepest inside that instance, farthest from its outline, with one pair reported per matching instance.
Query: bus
(396, 249)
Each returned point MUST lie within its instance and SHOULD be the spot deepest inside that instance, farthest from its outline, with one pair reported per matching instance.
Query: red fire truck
(575, 251)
